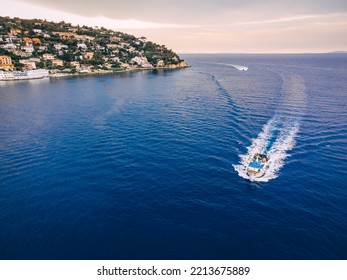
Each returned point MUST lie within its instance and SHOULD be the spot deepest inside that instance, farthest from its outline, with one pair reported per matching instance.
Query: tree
(18, 65)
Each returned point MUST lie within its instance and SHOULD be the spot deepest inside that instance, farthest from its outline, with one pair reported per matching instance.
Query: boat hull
(257, 167)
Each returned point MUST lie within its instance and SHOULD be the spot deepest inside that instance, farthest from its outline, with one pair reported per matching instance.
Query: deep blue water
(150, 165)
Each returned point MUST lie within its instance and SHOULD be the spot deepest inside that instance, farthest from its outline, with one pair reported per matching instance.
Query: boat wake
(278, 135)
(237, 67)
(276, 139)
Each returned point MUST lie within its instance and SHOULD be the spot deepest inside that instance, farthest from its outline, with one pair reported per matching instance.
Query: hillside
(40, 44)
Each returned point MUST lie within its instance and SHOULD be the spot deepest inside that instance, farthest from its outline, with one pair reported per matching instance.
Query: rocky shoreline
(94, 73)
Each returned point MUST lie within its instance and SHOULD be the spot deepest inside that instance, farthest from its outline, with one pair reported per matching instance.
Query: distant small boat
(239, 67)
(258, 165)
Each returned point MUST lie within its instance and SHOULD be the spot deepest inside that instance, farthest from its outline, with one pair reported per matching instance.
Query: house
(64, 35)
(36, 41)
(57, 62)
(84, 37)
(37, 30)
(21, 53)
(38, 73)
(27, 40)
(88, 55)
(47, 56)
(82, 46)
(9, 46)
(6, 75)
(29, 65)
(124, 45)
(112, 46)
(60, 46)
(84, 69)
(6, 62)
(28, 49)
(12, 39)
(160, 63)
(75, 64)
(115, 39)
(124, 65)
(100, 48)
(42, 48)
(15, 31)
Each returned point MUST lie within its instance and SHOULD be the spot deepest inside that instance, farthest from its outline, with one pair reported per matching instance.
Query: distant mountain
(338, 52)
(61, 46)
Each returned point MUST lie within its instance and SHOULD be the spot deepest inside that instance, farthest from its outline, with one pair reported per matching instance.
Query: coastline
(94, 73)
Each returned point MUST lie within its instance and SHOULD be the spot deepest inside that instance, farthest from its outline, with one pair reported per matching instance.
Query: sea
(152, 164)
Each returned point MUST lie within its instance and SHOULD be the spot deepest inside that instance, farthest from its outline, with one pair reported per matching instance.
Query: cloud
(29, 11)
(205, 25)
(293, 19)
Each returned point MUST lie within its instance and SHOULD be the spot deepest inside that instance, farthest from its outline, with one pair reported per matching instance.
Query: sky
(206, 26)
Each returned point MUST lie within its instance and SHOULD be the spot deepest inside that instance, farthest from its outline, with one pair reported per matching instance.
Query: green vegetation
(85, 47)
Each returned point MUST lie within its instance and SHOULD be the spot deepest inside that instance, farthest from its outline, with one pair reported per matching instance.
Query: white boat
(257, 167)
(239, 67)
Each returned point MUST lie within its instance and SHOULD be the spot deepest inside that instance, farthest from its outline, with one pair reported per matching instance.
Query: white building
(82, 46)
(48, 56)
(60, 46)
(142, 61)
(112, 46)
(160, 63)
(6, 75)
(98, 47)
(38, 73)
(11, 39)
(28, 64)
(28, 49)
(26, 75)
(75, 64)
(10, 46)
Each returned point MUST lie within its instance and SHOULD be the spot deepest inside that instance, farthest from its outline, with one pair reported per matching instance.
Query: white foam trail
(284, 142)
(238, 67)
(278, 134)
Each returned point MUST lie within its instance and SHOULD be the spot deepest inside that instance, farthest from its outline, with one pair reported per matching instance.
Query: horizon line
(262, 53)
